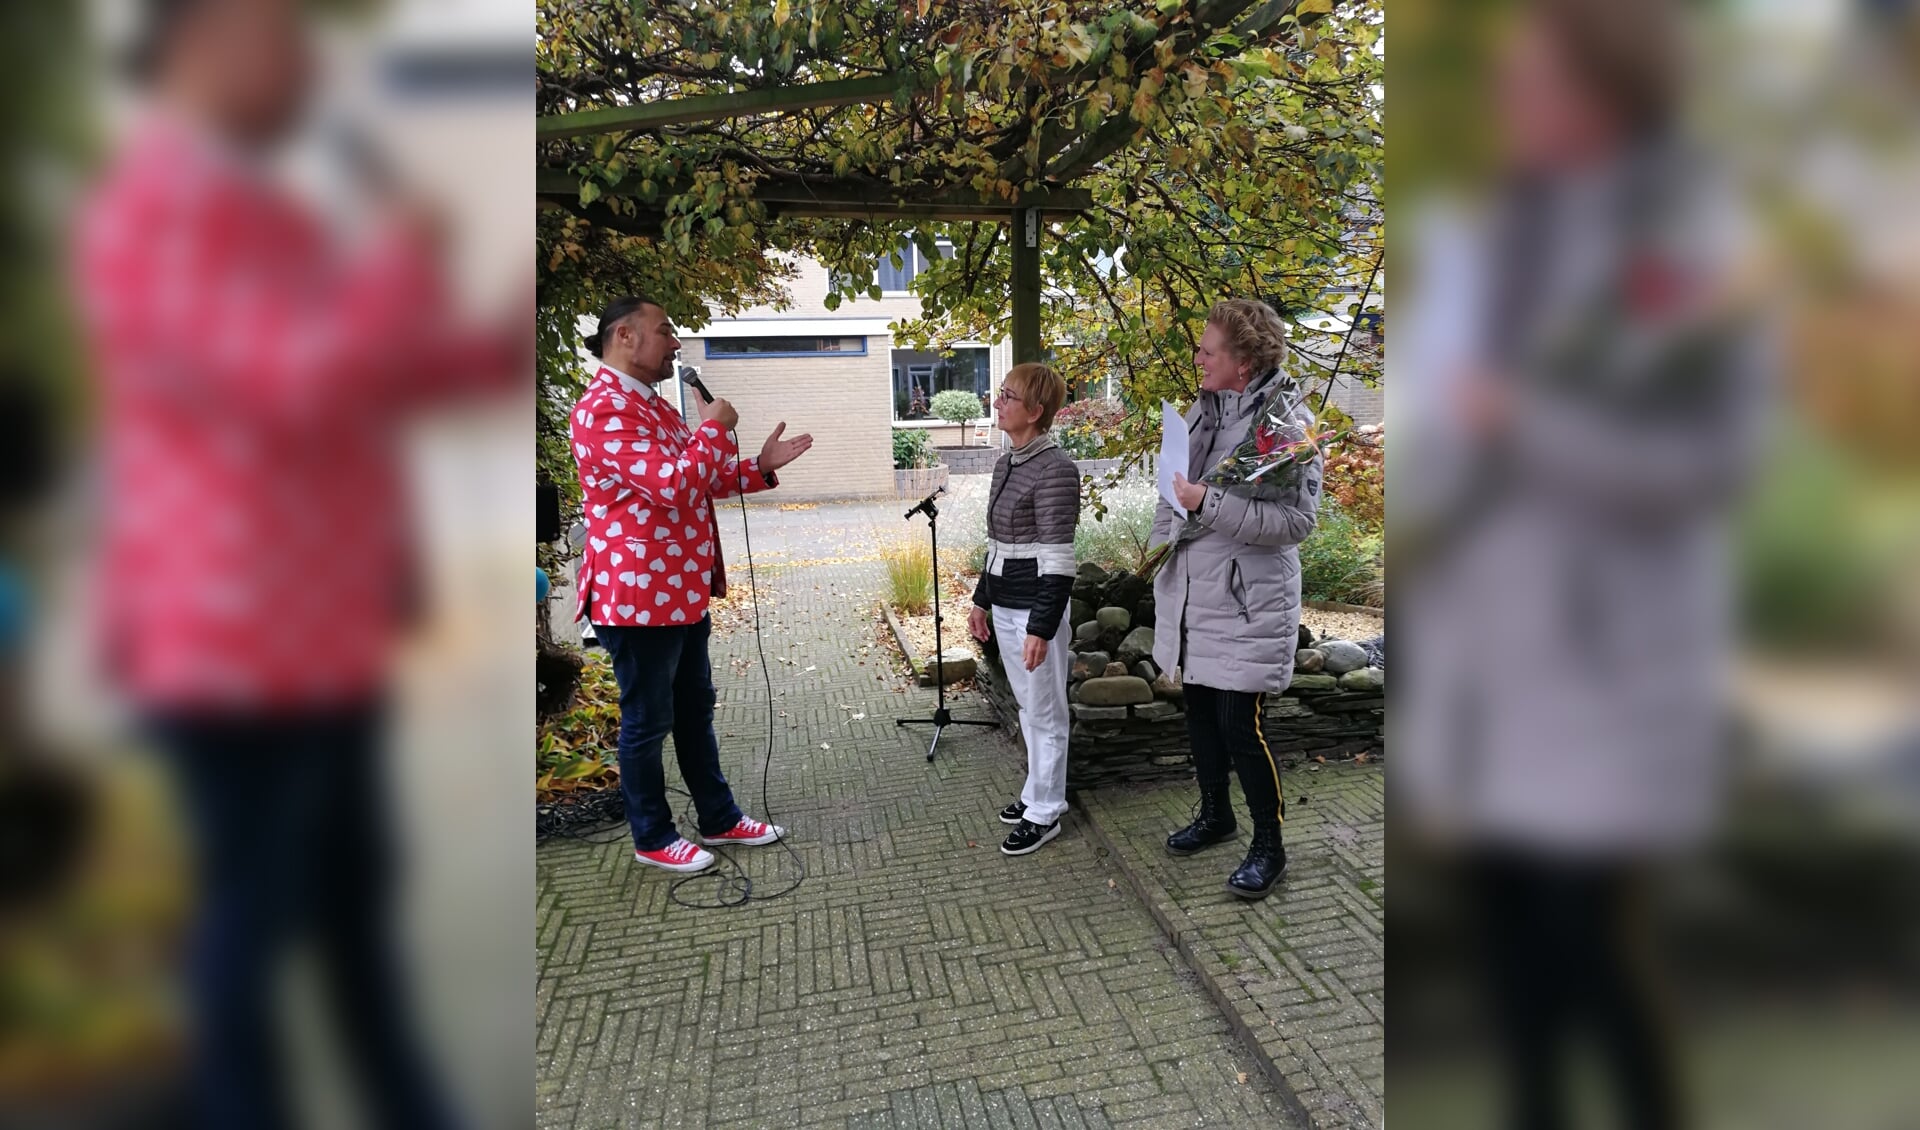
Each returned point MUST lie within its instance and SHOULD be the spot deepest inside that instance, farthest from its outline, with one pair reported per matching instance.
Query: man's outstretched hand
(777, 453)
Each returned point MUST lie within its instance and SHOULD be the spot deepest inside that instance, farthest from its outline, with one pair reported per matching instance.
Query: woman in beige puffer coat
(1227, 599)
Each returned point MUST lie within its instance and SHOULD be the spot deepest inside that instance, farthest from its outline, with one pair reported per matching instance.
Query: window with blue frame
(786, 346)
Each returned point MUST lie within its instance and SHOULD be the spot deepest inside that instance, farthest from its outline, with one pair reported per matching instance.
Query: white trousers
(1044, 718)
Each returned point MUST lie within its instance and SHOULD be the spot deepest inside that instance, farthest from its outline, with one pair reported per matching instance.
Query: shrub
(963, 529)
(1821, 539)
(578, 749)
(1356, 478)
(909, 576)
(957, 406)
(1119, 539)
(1341, 560)
(1082, 428)
(911, 449)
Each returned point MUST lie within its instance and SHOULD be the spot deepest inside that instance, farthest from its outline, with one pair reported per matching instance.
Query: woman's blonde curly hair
(1255, 333)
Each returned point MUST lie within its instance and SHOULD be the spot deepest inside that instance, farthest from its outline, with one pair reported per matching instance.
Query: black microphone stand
(942, 718)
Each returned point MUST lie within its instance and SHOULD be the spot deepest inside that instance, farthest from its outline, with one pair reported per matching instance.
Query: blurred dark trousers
(293, 846)
(666, 687)
(1565, 956)
(1226, 731)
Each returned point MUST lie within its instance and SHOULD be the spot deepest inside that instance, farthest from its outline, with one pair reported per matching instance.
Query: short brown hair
(1038, 386)
(1630, 54)
(1255, 333)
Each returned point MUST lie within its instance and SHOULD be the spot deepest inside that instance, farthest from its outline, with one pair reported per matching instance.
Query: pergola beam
(707, 107)
(856, 200)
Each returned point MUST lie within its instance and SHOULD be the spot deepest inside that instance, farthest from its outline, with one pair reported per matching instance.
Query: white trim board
(793, 327)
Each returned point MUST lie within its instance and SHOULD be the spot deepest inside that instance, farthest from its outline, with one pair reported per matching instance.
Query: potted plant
(958, 407)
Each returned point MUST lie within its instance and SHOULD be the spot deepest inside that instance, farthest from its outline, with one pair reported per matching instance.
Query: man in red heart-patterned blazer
(651, 564)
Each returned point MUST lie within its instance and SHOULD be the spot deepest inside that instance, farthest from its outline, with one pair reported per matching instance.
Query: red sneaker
(680, 855)
(748, 833)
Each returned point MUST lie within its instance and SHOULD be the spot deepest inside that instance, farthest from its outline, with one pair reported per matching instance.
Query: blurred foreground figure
(1588, 402)
(254, 569)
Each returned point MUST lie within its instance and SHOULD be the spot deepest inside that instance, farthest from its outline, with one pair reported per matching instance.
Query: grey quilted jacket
(1227, 600)
(1033, 509)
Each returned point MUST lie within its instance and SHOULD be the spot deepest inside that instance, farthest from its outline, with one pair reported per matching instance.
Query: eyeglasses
(1005, 394)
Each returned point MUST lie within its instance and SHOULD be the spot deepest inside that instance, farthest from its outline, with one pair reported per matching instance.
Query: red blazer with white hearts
(253, 383)
(648, 483)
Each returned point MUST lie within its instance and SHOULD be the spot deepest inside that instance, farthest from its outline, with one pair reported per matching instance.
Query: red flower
(1266, 439)
(1653, 286)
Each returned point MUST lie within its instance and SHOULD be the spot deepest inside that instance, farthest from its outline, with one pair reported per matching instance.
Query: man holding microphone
(651, 564)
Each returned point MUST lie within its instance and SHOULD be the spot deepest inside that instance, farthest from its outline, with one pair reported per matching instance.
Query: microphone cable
(734, 887)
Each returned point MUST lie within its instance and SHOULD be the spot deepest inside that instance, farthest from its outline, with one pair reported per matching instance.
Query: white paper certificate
(1173, 453)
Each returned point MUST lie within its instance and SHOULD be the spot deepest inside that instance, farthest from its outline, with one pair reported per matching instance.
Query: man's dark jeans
(293, 842)
(666, 687)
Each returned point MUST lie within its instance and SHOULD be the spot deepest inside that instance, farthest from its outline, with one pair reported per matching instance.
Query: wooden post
(1027, 225)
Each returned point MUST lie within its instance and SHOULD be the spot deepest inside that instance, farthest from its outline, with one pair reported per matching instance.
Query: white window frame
(914, 261)
(895, 370)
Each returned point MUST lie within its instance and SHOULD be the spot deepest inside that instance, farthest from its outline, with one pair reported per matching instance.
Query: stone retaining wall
(1128, 718)
(918, 482)
(970, 460)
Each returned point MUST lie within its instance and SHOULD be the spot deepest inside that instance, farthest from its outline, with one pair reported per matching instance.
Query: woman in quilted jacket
(1033, 508)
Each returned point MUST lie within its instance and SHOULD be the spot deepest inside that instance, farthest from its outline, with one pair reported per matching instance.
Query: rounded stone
(1121, 690)
(1114, 670)
(1087, 633)
(1314, 684)
(1146, 670)
(1113, 618)
(1079, 612)
(1309, 660)
(1364, 679)
(1090, 664)
(1342, 656)
(1167, 687)
(951, 666)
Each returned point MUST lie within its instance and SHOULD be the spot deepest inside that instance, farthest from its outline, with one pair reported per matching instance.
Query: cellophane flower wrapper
(1275, 450)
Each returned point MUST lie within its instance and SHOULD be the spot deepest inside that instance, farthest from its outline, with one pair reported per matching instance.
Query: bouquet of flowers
(1277, 445)
(1280, 443)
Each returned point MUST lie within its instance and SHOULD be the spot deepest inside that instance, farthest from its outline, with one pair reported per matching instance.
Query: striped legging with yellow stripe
(1226, 731)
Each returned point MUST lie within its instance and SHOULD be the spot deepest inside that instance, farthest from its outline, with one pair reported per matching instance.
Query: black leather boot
(1215, 823)
(1266, 862)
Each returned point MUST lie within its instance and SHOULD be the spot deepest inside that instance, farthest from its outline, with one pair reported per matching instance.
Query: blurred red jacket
(253, 380)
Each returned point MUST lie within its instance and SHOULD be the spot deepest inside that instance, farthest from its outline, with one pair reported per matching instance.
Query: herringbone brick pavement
(1303, 970)
(918, 977)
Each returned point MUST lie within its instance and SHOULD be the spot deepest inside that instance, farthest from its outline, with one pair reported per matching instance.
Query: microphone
(690, 376)
(366, 161)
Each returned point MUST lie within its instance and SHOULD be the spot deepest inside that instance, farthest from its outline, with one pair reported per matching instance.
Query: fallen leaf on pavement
(1242, 1078)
